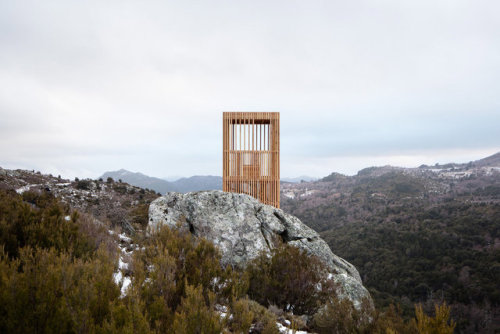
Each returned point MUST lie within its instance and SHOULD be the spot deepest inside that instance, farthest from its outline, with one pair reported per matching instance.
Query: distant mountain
(140, 180)
(182, 185)
(299, 179)
(197, 183)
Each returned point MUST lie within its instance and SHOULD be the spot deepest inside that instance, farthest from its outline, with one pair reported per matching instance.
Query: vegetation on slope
(415, 238)
(56, 275)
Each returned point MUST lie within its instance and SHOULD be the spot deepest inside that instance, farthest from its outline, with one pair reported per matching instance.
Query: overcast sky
(92, 86)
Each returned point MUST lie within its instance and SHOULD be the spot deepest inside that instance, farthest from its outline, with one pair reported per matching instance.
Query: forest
(415, 238)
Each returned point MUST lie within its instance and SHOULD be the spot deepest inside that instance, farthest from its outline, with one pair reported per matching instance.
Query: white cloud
(94, 86)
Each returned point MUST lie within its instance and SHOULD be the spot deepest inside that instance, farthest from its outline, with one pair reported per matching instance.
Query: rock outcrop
(242, 227)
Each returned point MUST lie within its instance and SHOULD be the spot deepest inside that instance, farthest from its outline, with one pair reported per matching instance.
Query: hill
(415, 234)
(140, 180)
(114, 203)
(182, 185)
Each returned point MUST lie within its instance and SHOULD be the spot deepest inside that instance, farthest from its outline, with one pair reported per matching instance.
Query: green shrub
(290, 279)
(170, 261)
(264, 321)
(83, 184)
(340, 316)
(439, 324)
(194, 315)
(44, 226)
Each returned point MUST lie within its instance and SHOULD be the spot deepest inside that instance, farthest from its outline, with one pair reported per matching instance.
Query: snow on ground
(286, 330)
(23, 189)
(126, 283)
(124, 238)
(119, 276)
(223, 311)
(308, 193)
(122, 265)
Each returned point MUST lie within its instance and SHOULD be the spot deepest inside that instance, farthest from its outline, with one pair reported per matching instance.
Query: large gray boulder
(242, 228)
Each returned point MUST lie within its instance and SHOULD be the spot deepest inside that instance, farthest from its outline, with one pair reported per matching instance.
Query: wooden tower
(251, 155)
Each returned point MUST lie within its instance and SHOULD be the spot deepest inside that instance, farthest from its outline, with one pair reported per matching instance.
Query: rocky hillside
(115, 203)
(433, 230)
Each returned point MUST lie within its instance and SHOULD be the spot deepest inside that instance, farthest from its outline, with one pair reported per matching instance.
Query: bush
(120, 188)
(340, 316)
(439, 324)
(139, 215)
(56, 275)
(171, 261)
(246, 312)
(44, 226)
(290, 279)
(83, 184)
(194, 315)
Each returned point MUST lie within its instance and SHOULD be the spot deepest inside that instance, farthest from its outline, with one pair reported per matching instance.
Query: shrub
(83, 184)
(194, 315)
(247, 313)
(242, 316)
(172, 260)
(139, 215)
(120, 188)
(290, 279)
(44, 226)
(439, 324)
(340, 316)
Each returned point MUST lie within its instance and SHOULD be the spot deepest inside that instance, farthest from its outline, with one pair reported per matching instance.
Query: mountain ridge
(182, 185)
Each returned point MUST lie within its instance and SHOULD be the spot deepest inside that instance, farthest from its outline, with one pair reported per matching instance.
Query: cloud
(94, 86)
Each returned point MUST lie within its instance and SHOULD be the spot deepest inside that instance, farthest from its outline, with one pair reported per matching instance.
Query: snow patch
(124, 238)
(122, 265)
(308, 193)
(126, 282)
(118, 277)
(23, 189)
(285, 330)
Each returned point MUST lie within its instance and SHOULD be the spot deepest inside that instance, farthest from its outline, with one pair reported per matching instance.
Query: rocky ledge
(242, 227)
